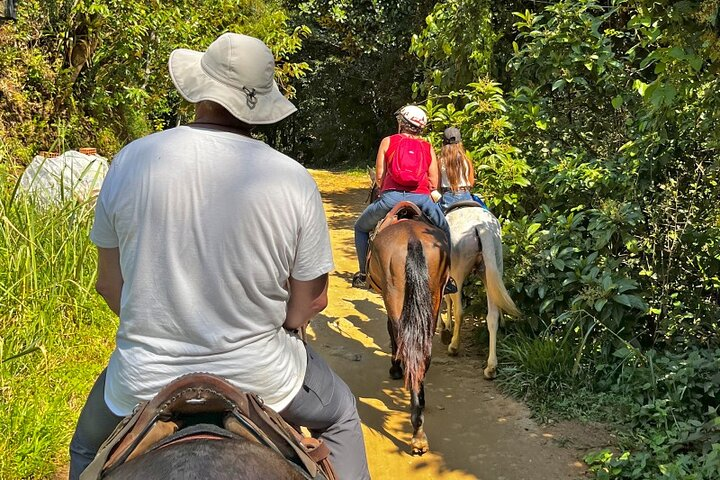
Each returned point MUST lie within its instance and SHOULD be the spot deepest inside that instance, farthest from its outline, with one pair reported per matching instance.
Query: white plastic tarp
(56, 180)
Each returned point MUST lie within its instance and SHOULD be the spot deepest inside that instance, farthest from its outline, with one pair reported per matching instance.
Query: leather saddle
(203, 395)
(462, 204)
(400, 212)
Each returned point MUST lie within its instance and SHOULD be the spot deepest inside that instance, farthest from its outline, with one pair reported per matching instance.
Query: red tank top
(389, 184)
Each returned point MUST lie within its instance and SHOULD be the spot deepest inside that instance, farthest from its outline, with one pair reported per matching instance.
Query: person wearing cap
(457, 173)
(411, 122)
(201, 285)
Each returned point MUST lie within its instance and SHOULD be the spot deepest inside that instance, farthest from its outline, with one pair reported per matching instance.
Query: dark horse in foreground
(409, 265)
(202, 427)
(208, 458)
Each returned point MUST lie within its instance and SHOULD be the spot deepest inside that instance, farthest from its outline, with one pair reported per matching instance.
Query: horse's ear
(371, 174)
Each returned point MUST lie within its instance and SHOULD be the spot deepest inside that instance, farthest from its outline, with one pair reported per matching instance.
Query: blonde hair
(456, 161)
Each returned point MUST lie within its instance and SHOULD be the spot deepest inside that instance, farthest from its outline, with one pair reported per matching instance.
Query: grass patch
(55, 333)
(538, 370)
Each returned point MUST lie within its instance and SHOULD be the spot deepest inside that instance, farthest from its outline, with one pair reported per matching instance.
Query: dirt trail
(474, 431)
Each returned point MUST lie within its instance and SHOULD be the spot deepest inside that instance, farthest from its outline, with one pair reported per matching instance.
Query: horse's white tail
(492, 255)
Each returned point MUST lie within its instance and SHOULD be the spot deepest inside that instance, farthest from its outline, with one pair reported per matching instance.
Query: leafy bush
(675, 421)
(611, 238)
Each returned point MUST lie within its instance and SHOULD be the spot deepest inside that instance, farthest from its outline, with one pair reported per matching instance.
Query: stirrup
(450, 286)
(359, 280)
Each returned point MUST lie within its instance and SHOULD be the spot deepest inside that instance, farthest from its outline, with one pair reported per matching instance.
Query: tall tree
(361, 73)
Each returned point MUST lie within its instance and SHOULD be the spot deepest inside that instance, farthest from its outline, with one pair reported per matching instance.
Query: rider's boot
(359, 280)
(450, 286)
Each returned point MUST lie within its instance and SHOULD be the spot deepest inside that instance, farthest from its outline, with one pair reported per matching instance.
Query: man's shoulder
(150, 139)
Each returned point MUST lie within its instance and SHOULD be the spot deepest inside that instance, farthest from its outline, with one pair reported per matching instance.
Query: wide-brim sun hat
(237, 72)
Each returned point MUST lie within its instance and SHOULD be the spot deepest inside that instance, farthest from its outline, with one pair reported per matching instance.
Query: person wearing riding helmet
(411, 122)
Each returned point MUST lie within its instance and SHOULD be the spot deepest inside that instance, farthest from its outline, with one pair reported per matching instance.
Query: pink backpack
(408, 164)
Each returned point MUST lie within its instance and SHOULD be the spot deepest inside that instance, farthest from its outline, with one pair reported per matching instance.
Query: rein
(373, 194)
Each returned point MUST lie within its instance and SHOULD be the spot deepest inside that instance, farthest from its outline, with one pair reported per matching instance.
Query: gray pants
(325, 405)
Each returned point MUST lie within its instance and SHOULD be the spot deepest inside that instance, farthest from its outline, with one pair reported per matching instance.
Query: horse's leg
(396, 371)
(457, 319)
(446, 322)
(419, 441)
(492, 324)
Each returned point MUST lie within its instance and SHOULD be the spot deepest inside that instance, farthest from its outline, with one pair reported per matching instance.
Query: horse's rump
(477, 242)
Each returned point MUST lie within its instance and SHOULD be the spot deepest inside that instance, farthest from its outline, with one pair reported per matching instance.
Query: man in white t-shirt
(213, 249)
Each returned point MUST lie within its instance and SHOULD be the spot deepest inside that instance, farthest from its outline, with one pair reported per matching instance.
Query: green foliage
(365, 26)
(456, 45)
(664, 405)
(479, 110)
(624, 231)
(612, 234)
(674, 418)
(101, 66)
(52, 330)
(361, 74)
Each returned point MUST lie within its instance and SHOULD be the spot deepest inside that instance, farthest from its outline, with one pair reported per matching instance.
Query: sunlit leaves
(109, 61)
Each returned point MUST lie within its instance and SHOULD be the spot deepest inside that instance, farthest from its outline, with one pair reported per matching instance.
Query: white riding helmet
(413, 115)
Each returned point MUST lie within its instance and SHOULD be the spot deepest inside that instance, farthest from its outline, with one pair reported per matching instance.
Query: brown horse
(409, 265)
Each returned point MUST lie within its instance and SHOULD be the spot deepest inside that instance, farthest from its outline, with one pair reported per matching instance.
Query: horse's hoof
(453, 351)
(446, 336)
(490, 373)
(419, 446)
(396, 373)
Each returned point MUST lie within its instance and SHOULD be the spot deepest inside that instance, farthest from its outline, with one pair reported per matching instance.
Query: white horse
(476, 244)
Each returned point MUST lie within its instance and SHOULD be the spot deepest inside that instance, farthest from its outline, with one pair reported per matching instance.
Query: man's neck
(223, 127)
(226, 123)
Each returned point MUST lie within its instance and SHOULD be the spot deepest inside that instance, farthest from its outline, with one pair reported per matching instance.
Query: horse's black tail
(414, 341)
